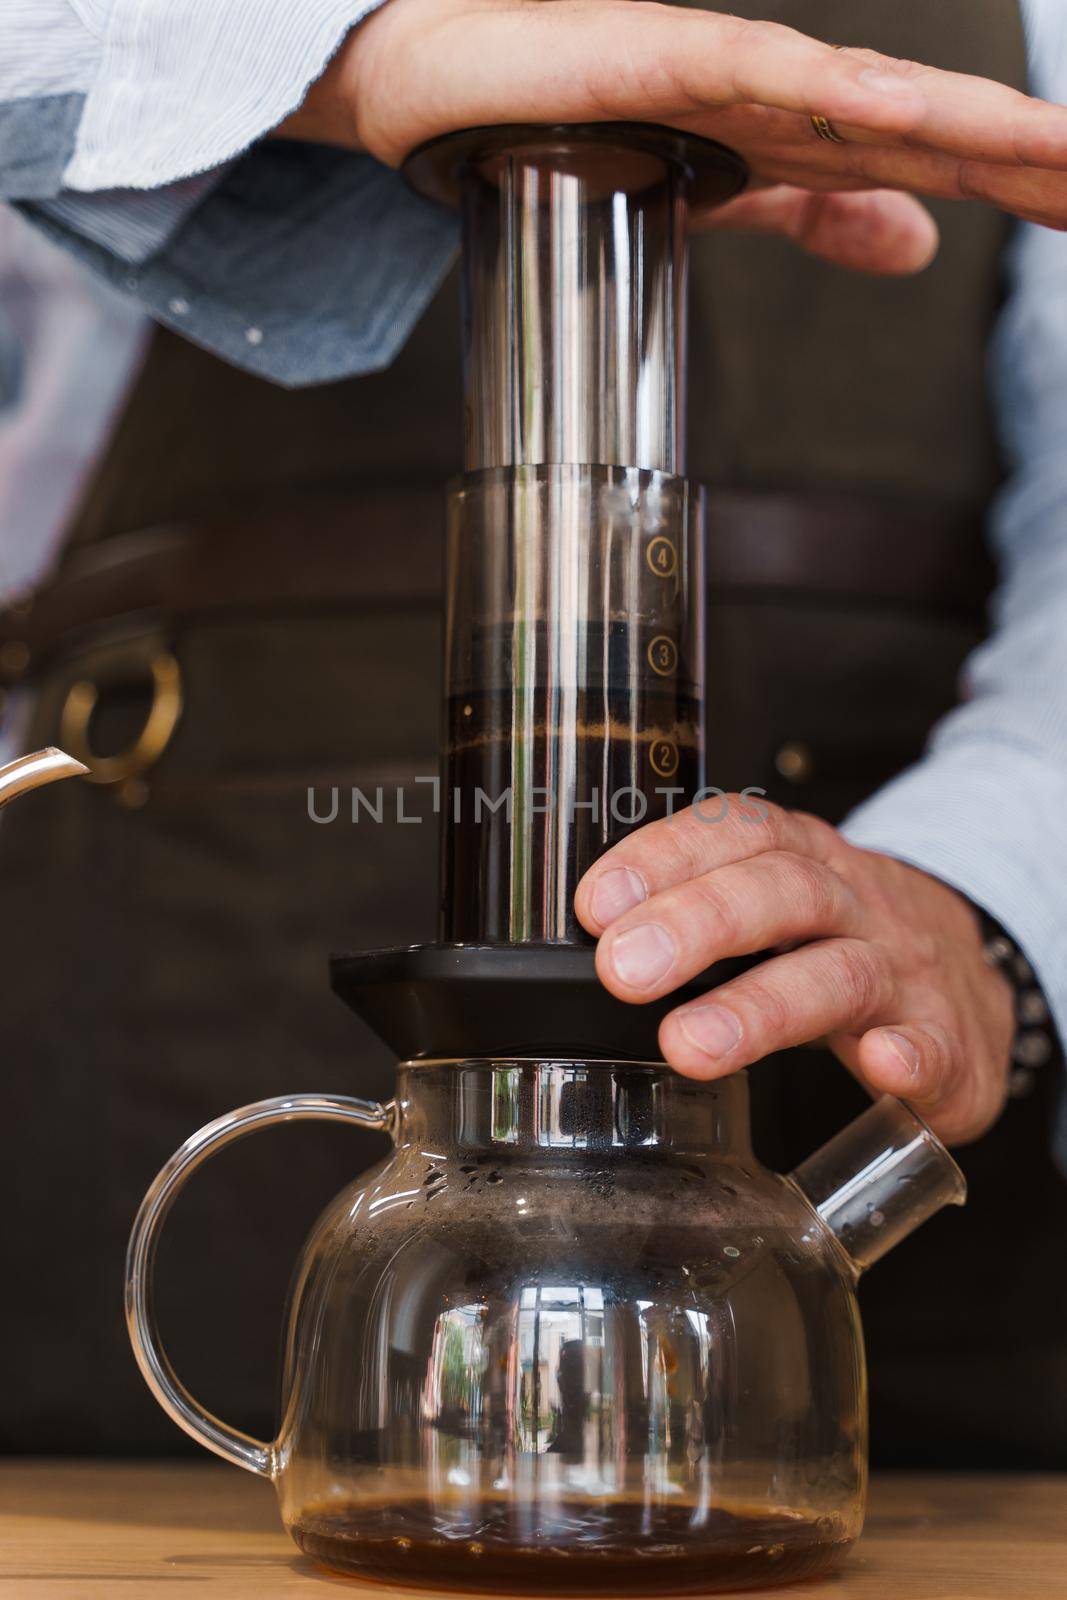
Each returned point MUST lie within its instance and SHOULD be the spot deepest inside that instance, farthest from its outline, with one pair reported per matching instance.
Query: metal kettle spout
(30, 772)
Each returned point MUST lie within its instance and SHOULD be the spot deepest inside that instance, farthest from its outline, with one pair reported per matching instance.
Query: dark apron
(165, 963)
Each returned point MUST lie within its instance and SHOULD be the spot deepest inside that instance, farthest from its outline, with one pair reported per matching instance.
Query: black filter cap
(435, 1001)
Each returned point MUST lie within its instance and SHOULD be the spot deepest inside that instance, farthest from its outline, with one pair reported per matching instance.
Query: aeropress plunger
(574, 655)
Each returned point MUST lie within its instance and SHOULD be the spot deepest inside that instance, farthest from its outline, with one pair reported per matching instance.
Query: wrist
(325, 114)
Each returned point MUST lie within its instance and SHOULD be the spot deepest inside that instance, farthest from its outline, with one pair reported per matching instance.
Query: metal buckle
(125, 771)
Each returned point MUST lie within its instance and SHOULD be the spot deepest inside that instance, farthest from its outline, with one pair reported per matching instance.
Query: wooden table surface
(96, 1531)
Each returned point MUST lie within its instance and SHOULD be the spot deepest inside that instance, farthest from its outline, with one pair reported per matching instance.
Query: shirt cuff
(183, 86)
(302, 264)
(131, 224)
(989, 819)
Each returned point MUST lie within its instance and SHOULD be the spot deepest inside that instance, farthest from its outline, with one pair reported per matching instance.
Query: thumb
(869, 230)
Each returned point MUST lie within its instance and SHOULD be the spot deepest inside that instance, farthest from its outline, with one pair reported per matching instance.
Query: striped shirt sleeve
(164, 89)
(132, 132)
(986, 810)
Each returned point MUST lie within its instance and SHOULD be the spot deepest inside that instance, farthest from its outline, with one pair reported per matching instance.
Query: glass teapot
(569, 1334)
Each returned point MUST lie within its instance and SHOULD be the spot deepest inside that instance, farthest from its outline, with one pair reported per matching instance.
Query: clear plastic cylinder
(574, 285)
(574, 650)
(574, 305)
(574, 665)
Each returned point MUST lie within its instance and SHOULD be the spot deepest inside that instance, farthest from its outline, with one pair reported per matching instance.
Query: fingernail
(890, 83)
(642, 955)
(712, 1029)
(902, 1046)
(616, 891)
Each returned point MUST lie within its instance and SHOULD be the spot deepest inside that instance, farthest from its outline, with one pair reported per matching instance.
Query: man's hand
(876, 958)
(419, 68)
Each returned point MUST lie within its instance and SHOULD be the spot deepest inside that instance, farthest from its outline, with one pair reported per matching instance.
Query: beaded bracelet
(1034, 1043)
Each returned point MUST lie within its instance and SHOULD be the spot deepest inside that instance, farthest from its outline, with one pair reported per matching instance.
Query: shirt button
(795, 762)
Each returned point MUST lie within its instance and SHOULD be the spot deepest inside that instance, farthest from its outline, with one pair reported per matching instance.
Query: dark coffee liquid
(578, 1546)
(532, 800)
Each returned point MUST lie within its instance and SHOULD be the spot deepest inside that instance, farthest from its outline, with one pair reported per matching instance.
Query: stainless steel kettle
(31, 772)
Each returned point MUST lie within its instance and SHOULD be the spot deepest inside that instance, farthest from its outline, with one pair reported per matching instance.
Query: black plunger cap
(450, 1001)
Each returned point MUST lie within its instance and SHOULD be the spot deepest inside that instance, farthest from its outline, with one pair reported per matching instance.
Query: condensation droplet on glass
(877, 1218)
(178, 306)
(254, 335)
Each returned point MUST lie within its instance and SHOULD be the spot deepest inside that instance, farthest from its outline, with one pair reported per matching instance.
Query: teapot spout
(30, 772)
(878, 1179)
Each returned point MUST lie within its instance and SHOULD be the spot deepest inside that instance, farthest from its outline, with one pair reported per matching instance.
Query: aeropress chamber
(574, 629)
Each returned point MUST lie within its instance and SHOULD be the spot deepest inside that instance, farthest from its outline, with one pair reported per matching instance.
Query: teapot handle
(177, 1402)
